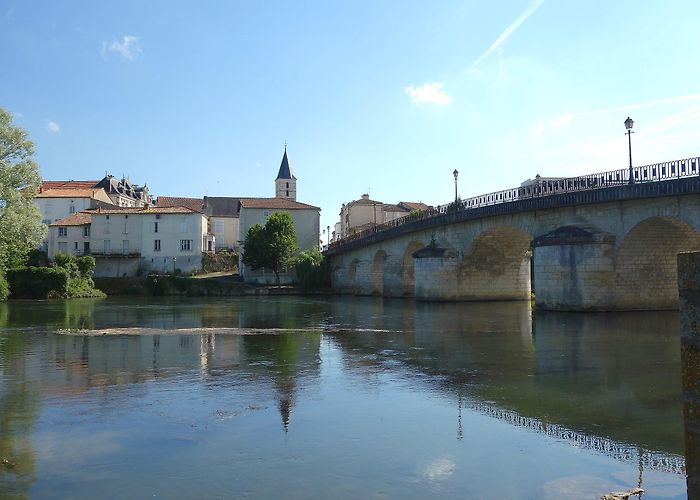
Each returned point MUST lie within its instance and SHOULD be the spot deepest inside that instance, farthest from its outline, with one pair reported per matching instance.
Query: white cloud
(53, 127)
(129, 47)
(509, 30)
(428, 93)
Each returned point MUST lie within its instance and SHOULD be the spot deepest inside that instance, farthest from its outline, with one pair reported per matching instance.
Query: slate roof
(76, 219)
(285, 171)
(221, 206)
(196, 204)
(280, 203)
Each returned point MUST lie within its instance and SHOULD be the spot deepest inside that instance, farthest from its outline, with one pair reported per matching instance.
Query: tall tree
(271, 246)
(20, 221)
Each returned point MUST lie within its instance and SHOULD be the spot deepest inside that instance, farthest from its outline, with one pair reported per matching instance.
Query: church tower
(286, 183)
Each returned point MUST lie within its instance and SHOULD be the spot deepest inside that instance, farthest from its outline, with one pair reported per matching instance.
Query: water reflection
(19, 402)
(603, 382)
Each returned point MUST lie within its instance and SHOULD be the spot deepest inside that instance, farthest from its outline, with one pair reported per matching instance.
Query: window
(108, 217)
(156, 245)
(62, 232)
(287, 193)
(107, 227)
(155, 227)
(287, 185)
(218, 227)
(75, 246)
(107, 246)
(266, 213)
(62, 246)
(71, 209)
(157, 216)
(185, 245)
(86, 231)
(125, 247)
(183, 227)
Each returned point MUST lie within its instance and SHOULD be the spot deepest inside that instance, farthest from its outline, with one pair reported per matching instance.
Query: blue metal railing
(538, 188)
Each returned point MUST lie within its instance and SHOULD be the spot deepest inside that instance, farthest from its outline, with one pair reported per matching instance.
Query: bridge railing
(540, 187)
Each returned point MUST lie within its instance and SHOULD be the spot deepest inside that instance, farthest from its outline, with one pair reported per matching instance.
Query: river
(294, 397)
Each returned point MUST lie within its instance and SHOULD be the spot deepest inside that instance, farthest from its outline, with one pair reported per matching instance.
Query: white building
(135, 241)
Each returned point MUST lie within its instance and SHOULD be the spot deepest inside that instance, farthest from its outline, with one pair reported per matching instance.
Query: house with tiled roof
(365, 213)
(133, 241)
(70, 234)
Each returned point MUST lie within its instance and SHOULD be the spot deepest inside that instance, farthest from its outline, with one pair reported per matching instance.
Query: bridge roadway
(594, 242)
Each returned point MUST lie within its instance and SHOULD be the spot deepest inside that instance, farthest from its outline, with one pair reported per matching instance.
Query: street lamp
(456, 174)
(174, 261)
(628, 125)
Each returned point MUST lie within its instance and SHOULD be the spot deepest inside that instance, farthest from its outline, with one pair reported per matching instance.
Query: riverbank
(214, 285)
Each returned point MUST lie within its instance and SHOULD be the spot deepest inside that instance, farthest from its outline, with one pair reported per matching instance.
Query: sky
(379, 97)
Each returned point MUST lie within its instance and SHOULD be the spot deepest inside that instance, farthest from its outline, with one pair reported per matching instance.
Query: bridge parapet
(661, 179)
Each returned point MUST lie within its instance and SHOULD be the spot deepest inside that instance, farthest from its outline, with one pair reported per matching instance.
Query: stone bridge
(582, 244)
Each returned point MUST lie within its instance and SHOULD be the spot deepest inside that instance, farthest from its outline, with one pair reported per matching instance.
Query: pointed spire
(285, 171)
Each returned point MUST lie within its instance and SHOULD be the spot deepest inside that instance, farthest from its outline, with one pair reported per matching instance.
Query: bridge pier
(574, 269)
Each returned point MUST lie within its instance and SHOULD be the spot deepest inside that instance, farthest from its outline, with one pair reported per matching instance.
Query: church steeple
(285, 183)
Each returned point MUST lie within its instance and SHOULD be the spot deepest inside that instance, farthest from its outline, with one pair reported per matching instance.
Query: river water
(295, 397)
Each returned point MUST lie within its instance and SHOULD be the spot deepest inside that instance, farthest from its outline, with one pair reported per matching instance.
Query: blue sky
(388, 97)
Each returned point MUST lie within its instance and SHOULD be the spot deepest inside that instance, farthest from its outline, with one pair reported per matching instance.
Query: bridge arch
(646, 263)
(496, 265)
(408, 268)
(378, 272)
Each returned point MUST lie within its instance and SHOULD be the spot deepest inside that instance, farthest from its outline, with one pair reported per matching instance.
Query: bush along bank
(67, 277)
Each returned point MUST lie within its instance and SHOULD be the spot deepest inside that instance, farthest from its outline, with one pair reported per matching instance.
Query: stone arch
(378, 272)
(408, 276)
(496, 265)
(646, 263)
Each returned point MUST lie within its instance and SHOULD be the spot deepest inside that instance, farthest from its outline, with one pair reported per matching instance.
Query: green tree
(20, 222)
(271, 246)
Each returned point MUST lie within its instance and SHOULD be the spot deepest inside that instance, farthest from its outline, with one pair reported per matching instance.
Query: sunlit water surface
(335, 398)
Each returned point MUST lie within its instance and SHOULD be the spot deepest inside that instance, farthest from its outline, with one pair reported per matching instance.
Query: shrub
(221, 261)
(37, 258)
(86, 265)
(38, 282)
(67, 262)
(311, 270)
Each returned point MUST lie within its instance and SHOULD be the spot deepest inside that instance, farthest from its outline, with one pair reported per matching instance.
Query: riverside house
(135, 241)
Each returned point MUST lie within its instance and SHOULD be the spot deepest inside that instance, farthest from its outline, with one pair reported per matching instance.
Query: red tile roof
(414, 205)
(45, 185)
(70, 193)
(143, 210)
(280, 203)
(196, 204)
(76, 219)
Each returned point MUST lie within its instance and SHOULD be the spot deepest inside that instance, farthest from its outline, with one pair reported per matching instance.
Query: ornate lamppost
(628, 125)
(456, 174)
